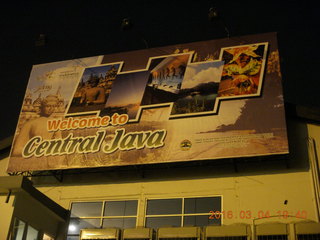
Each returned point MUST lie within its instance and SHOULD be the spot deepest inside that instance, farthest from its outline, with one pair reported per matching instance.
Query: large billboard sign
(203, 100)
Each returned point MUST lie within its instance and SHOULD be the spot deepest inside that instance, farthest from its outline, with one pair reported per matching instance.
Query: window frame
(102, 217)
(27, 225)
(182, 214)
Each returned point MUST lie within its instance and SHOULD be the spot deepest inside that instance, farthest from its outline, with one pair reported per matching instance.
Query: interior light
(72, 228)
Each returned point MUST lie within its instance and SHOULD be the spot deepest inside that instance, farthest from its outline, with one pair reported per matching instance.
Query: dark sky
(75, 29)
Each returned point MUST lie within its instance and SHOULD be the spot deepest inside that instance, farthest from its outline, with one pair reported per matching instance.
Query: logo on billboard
(185, 145)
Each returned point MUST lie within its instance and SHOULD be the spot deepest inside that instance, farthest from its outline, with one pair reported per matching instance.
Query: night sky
(75, 29)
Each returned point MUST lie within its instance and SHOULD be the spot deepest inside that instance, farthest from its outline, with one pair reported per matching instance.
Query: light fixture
(214, 16)
(72, 228)
(126, 24)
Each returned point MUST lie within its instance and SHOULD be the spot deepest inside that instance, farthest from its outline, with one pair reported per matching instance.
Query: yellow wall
(249, 191)
(314, 156)
(243, 193)
(314, 133)
(3, 166)
(6, 211)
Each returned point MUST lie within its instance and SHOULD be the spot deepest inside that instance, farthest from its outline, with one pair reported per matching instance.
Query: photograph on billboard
(198, 101)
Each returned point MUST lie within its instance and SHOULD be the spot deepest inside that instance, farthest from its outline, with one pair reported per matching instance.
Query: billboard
(203, 100)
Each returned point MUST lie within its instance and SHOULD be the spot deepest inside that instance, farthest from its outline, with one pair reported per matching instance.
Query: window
(32, 234)
(229, 238)
(308, 236)
(179, 212)
(18, 229)
(102, 214)
(23, 231)
(273, 237)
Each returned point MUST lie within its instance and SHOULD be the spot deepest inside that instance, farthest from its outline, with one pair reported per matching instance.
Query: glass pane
(164, 206)
(72, 237)
(277, 237)
(32, 234)
(86, 209)
(18, 229)
(202, 205)
(156, 222)
(119, 222)
(76, 224)
(121, 208)
(199, 221)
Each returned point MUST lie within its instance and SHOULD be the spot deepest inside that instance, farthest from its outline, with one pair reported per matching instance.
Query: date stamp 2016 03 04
(248, 214)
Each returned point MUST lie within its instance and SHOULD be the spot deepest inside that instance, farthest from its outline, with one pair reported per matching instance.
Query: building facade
(213, 193)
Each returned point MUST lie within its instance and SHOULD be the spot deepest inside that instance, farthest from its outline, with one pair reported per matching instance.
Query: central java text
(123, 141)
